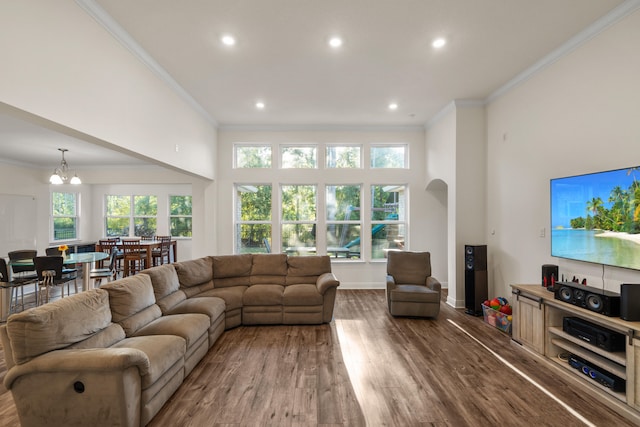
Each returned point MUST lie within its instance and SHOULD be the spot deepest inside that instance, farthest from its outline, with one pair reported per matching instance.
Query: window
(388, 219)
(253, 218)
(298, 229)
(389, 156)
(120, 220)
(343, 156)
(118, 214)
(64, 212)
(343, 220)
(298, 157)
(145, 216)
(180, 216)
(253, 156)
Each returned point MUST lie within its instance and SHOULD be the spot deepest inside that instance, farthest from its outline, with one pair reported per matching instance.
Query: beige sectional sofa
(115, 355)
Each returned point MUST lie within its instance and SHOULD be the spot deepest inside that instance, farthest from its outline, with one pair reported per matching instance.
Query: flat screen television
(596, 217)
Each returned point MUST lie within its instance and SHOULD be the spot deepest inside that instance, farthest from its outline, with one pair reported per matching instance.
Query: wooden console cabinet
(537, 325)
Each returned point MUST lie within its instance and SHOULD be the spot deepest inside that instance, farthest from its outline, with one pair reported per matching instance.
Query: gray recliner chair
(411, 290)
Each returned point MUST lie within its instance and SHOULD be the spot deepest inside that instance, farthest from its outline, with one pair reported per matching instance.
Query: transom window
(253, 156)
(298, 157)
(389, 156)
(344, 156)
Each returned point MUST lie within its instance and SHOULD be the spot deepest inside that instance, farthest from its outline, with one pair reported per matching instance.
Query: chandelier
(61, 173)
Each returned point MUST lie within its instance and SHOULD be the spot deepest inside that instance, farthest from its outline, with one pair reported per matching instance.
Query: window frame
(405, 160)
(238, 221)
(401, 223)
(237, 146)
(337, 145)
(132, 214)
(282, 147)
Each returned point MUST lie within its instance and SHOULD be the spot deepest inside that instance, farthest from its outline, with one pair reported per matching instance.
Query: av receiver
(597, 335)
(597, 374)
(594, 299)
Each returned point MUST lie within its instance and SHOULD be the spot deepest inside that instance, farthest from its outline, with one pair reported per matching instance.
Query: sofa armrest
(433, 284)
(77, 360)
(326, 281)
(391, 282)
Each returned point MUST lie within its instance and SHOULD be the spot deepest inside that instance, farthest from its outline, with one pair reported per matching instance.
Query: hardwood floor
(368, 368)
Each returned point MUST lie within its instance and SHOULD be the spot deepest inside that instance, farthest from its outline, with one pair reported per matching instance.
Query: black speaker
(476, 289)
(594, 299)
(549, 276)
(630, 302)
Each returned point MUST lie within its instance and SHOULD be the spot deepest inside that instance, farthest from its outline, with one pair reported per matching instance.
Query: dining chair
(109, 273)
(134, 257)
(49, 271)
(106, 245)
(23, 274)
(6, 283)
(163, 252)
(54, 251)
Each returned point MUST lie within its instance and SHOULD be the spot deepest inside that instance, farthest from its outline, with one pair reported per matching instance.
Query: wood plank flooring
(367, 368)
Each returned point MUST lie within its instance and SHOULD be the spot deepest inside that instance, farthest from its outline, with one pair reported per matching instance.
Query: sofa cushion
(107, 337)
(232, 296)
(414, 294)
(132, 302)
(163, 351)
(296, 295)
(269, 269)
(164, 280)
(211, 306)
(307, 269)
(232, 270)
(190, 326)
(195, 272)
(58, 324)
(263, 295)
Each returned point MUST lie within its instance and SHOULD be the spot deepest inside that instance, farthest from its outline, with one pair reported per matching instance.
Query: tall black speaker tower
(476, 289)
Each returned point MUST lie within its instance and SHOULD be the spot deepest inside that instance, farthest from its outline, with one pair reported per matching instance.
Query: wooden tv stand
(537, 326)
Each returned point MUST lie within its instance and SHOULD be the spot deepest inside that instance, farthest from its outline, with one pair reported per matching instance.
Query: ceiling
(282, 58)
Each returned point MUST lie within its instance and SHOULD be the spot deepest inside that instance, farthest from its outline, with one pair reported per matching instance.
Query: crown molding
(319, 128)
(606, 21)
(120, 34)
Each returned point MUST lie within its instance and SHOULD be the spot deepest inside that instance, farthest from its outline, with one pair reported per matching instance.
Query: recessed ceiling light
(335, 42)
(260, 105)
(228, 40)
(438, 43)
(393, 106)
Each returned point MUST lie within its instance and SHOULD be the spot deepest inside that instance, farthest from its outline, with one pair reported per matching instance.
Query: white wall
(579, 115)
(58, 63)
(425, 231)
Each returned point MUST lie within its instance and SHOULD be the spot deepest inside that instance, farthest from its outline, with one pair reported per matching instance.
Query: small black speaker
(476, 289)
(630, 302)
(549, 276)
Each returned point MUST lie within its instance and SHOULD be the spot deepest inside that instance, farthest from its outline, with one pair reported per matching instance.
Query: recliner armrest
(326, 281)
(73, 361)
(391, 282)
(433, 284)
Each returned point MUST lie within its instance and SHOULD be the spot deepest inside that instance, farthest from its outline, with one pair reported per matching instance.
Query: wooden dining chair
(106, 245)
(109, 273)
(133, 256)
(163, 252)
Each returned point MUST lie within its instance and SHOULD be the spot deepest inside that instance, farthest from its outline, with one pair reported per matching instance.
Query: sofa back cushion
(195, 275)
(270, 269)
(307, 269)
(58, 324)
(408, 267)
(164, 280)
(232, 270)
(132, 302)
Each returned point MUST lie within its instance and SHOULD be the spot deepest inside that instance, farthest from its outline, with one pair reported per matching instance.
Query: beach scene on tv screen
(596, 217)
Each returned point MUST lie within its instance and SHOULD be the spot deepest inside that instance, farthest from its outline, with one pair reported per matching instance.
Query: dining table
(148, 246)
